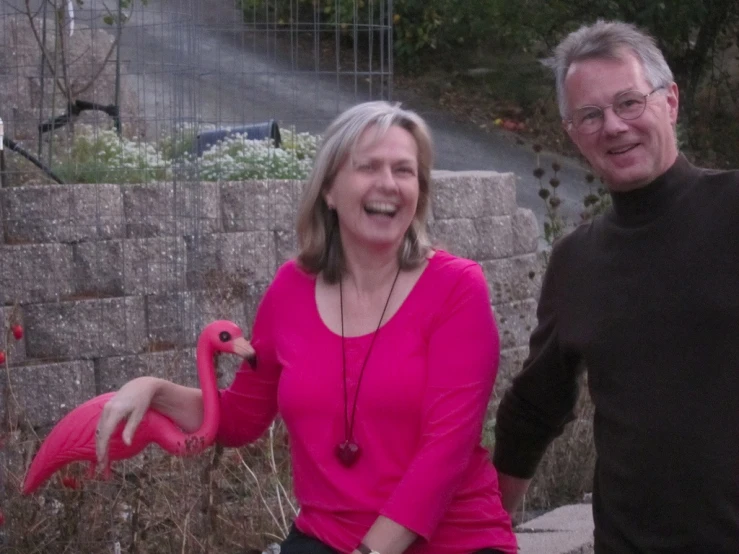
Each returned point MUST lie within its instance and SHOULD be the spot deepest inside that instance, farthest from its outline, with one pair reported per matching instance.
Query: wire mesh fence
(152, 162)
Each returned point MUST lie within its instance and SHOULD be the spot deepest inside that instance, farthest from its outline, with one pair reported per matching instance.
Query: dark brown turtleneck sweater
(646, 297)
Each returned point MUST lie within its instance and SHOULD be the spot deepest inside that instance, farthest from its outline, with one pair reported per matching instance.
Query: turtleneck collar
(642, 205)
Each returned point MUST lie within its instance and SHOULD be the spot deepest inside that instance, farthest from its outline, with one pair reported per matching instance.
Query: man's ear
(673, 102)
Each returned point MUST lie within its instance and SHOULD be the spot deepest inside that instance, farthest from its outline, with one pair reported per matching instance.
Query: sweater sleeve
(249, 404)
(542, 397)
(463, 356)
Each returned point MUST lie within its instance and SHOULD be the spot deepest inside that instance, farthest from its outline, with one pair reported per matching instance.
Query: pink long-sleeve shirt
(419, 413)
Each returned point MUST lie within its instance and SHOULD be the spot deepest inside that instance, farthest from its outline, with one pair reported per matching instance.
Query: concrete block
(176, 365)
(566, 530)
(286, 246)
(176, 320)
(494, 238)
(42, 394)
(516, 278)
(149, 210)
(154, 265)
(197, 208)
(169, 320)
(525, 231)
(515, 321)
(484, 238)
(97, 268)
(86, 329)
(473, 194)
(64, 213)
(241, 257)
(457, 236)
(35, 273)
(284, 198)
(246, 206)
(511, 362)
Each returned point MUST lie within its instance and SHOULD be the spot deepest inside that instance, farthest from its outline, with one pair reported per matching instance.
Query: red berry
(17, 332)
(2, 519)
(2, 356)
(70, 482)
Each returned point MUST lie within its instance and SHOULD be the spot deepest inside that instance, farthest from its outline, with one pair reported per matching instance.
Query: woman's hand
(130, 403)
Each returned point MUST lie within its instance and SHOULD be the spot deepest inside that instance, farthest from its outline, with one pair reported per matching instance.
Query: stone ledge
(566, 530)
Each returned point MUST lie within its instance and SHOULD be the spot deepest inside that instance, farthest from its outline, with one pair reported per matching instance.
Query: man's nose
(612, 123)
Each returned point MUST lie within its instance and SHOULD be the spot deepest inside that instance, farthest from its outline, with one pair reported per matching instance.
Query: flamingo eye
(225, 336)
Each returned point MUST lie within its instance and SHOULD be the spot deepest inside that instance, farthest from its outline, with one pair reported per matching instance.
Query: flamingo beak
(243, 348)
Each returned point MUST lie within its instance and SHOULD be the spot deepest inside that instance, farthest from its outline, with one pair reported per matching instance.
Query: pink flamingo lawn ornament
(73, 438)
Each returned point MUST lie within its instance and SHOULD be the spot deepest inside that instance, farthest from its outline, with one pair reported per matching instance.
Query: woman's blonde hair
(319, 243)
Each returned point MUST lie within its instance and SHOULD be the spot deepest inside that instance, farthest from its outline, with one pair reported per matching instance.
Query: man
(646, 298)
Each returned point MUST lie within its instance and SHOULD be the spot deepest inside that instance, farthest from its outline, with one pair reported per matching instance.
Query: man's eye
(591, 115)
(629, 103)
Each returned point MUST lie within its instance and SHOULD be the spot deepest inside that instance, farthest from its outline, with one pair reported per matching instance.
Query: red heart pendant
(348, 453)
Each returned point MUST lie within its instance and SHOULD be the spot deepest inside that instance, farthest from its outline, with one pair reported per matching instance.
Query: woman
(379, 353)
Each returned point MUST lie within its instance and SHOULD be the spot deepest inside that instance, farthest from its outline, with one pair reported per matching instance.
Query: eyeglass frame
(571, 123)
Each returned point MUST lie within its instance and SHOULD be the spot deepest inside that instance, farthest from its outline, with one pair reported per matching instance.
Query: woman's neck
(371, 272)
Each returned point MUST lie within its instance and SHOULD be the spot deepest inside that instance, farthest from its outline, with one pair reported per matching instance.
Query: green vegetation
(100, 156)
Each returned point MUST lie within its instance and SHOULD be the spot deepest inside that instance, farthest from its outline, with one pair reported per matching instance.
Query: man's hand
(512, 491)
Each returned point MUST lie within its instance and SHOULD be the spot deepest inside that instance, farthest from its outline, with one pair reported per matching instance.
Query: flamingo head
(224, 336)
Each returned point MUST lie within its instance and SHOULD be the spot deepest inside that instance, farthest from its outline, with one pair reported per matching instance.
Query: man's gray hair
(606, 40)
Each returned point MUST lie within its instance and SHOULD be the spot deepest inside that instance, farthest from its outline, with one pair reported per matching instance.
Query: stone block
(246, 206)
(149, 209)
(15, 350)
(154, 265)
(525, 232)
(484, 238)
(511, 362)
(286, 246)
(284, 198)
(176, 320)
(457, 236)
(516, 278)
(473, 194)
(260, 205)
(44, 393)
(515, 322)
(35, 273)
(98, 268)
(176, 365)
(169, 209)
(245, 257)
(64, 213)
(197, 208)
(494, 238)
(86, 329)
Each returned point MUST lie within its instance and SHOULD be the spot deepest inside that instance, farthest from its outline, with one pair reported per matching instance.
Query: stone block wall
(115, 281)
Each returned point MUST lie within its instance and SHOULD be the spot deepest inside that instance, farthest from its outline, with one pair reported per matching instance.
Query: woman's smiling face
(375, 192)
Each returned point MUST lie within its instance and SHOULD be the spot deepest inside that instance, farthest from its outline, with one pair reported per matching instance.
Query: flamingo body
(73, 438)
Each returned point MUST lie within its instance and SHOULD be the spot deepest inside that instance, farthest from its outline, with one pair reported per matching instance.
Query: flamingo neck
(209, 387)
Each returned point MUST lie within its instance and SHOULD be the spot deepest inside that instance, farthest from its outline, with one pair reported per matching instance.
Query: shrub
(100, 156)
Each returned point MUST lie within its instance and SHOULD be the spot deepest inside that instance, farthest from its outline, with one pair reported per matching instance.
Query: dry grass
(224, 501)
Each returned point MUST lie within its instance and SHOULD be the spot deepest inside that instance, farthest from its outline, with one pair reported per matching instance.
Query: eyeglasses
(627, 105)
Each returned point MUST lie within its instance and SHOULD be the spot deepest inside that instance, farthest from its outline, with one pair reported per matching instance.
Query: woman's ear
(327, 197)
